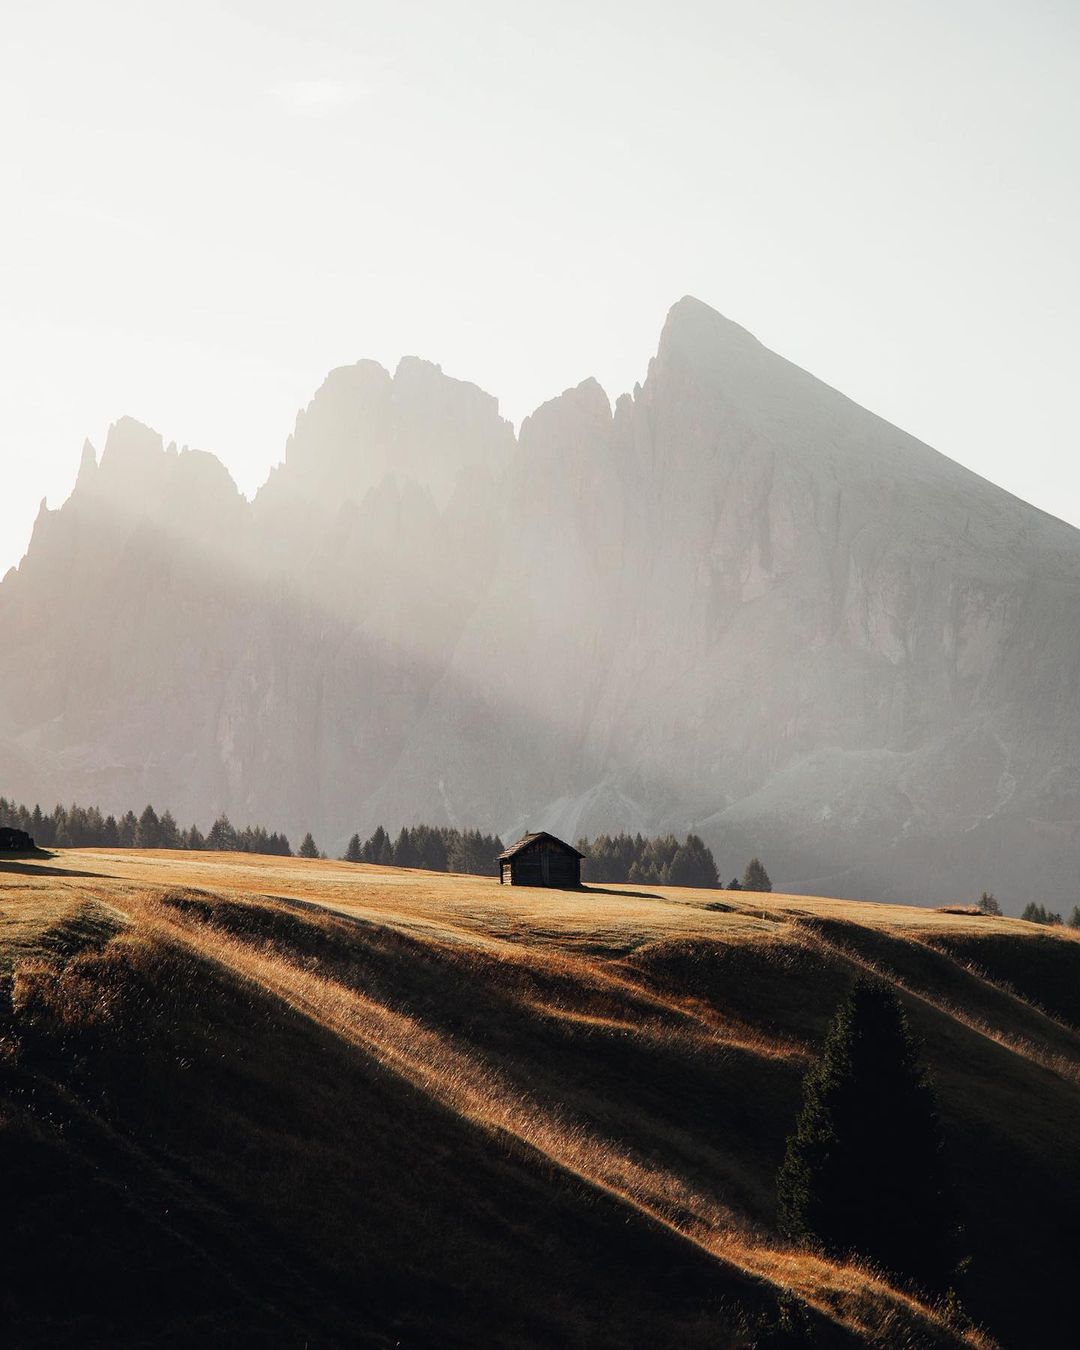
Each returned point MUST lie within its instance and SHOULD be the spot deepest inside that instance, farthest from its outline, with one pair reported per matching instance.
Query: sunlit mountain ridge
(734, 602)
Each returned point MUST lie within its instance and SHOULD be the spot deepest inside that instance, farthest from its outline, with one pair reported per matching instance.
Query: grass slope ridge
(274, 1102)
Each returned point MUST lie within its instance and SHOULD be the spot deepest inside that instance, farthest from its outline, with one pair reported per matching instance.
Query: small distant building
(15, 841)
(540, 860)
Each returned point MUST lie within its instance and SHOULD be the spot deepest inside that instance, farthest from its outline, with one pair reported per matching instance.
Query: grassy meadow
(267, 1101)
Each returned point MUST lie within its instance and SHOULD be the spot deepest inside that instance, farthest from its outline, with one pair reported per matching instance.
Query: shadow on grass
(23, 864)
(589, 889)
(371, 1213)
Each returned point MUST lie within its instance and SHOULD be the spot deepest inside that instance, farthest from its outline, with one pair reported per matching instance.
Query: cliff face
(735, 602)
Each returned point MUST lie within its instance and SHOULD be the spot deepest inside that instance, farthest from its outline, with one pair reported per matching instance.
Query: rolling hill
(734, 602)
(276, 1102)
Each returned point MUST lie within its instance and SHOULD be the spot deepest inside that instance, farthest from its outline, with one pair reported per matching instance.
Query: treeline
(86, 827)
(1039, 914)
(437, 848)
(650, 862)
(662, 861)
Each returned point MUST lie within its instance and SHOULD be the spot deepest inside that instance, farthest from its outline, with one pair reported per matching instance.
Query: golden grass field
(316, 1103)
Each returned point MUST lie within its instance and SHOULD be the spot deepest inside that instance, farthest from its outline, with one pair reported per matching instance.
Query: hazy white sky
(207, 206)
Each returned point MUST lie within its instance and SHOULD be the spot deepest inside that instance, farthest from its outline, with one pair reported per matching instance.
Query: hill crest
(544, 1076)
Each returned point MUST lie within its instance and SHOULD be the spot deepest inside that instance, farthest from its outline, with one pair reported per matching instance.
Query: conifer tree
(988, 904)
(864, 1173)
(693, 864)
(378, 849)
(308, 848)
(148, 833)
(94, 825)
(1074, 917)
(431, 848)
(404, 849)
(352, 853)
(168, 831)
(1034, 913)
(222, 835)
(460, 853)
(683, 871)
(706, 863)
(755, 878)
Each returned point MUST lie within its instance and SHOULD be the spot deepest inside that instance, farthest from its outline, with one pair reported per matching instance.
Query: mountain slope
(735, 602)
(291, 1102)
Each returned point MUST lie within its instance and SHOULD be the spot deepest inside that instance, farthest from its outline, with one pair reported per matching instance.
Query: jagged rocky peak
(561, 490)
(189, 492)
(132, 449)
(695, 329)
(350, 412)
(88, 464)
(135, 454)
(445, 428)
(573, 414)
(719, 390)
(740, 601)
(703, 354)
(364, 424)
(424, 385)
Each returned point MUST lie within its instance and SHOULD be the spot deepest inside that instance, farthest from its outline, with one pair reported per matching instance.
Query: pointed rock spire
(694, 329)
(87, 465)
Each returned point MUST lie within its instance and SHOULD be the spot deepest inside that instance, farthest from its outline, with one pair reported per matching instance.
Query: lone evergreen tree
(309, 849)
(863, 1173)
(352, 853)
(755, 878)
(988, 904)
(1074, 917)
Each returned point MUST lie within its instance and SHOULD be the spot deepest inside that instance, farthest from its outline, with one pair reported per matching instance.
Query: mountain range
(735, 602)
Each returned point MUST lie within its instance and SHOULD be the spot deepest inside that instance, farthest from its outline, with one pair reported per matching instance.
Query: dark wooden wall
(543, 864)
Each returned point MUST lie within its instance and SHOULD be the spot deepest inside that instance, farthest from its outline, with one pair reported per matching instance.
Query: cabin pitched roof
(528, 840)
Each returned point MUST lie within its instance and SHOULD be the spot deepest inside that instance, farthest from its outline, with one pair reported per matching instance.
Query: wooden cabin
(15, 841)
(540, 860)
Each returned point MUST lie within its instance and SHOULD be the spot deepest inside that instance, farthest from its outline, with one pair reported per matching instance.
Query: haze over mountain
(735, 602)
